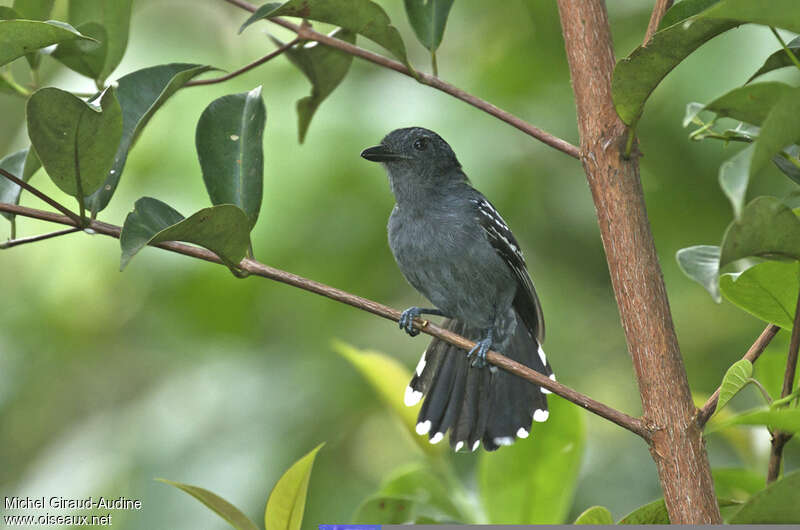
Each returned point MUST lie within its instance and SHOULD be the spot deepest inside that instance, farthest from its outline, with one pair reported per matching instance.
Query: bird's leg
(407, 318)
(479, 350)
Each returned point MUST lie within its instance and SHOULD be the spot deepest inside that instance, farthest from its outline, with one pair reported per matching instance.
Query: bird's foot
(478, 352)
(407, 320)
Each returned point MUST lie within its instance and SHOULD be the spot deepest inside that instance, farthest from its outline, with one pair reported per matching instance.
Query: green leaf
(428, 19)
(749, 103)
(788, 168)
(85, 57)
(780, 129)
(223, 230)
(325, 68)
(115, 17)
(737, 483)
(779, 59)
(18, 37)
(33, 9)
(217, 504)
(736, 378)
(389, 379)
(701, 264)
(595, 515)
(734, 177)
(140, 94)
(652, 513)
(767, 229)
(287, 502)
(776, 504)
(75, 141)
(767, 291)
(781, 13)
(359, 16)
(547, 463)
(683, 10)
(420, 493)
(22, 164)
(783, 419)
(230, 147)
(636, 76)
(6, 13)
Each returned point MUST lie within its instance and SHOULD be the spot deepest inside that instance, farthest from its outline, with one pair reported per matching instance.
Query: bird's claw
(407, 320)
(479, 352)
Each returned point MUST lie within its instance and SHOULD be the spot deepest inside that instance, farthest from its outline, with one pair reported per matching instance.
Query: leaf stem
(794, 161)
(245, 68)
(785, 400)
(13, 232)
(629, 141)
(41, 237)
(19, 89)
(434, 65)
(789, 52)
(763, 390)
(24, 185)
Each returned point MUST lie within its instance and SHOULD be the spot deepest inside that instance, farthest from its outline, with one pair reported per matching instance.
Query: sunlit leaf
(359, 16)
(386, 510)
(767, 228)
(735, 379)
(223, 230)
(85, 57)
(767, 291)
(34, 9)
(776, 504)
(779, 59)
(325, 68)
(780, 129)
(115, 17)
(781, 13)
(18, 37)
(428, 19)
(652, 513)
(75, 141)
(595, 515)
(21, 164)
(734, 177)
(217, 504)
(230, 147)
(750, 103)
(701, 264)
(140, 94)
(547, 463)
(287, 502)
(783, 419)
(737, 483)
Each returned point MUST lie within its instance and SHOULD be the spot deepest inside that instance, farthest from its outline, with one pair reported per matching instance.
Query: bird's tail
(477, 404)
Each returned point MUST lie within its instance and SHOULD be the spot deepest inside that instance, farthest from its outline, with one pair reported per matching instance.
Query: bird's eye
(420, 144)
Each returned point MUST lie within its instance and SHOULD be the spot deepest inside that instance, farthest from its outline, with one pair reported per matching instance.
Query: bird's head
(416, 158)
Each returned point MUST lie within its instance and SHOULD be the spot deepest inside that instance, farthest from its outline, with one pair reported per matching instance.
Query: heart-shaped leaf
(229, 142)
(115, 17)
(595, 515)
(217, 504)
(651, 513)
(779, 59)
(18, 37)
(776, 504)
(140, 94)
(767, 229)
(733, 178)
(287, 502)
(428, 19)
(780, 129)
(85, 57)
(325, 68)
(546, 463)
(767, 291)
(736, 378)
(222, 229)
(359, 16)
(75, 141)
(701, 264)
(21, 164)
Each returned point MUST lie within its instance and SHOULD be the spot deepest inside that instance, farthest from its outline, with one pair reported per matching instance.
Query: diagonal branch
(41, 237)
(306, 33)
(755, 351)
(55, 204)
(659, 9)
(245, 68)
(256, 268)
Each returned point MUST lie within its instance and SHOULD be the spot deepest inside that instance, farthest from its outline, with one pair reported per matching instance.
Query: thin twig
(41, 237)
(752, 355)
(792, 56)
(245, 68)
(256, 268)
(659, 9)
(24, 185)
(306, 33)
(779, 438)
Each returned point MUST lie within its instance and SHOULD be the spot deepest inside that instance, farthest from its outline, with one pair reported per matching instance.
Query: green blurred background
(175, 369)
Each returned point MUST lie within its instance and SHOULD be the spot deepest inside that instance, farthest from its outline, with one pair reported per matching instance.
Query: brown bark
(677, 445)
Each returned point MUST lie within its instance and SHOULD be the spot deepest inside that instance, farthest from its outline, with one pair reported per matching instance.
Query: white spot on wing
(423, 427)
(475, 445)
(421, 364)
(437, 438)
(504, 440)
(412, 397)
(541, 415)
(544, 390)
(234, 137)
(542, 355)
(459, 445)
(522, 433)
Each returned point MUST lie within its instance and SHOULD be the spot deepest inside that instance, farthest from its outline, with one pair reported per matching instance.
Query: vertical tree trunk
(677, 445)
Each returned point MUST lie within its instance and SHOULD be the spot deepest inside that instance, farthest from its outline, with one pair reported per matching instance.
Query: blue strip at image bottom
(349, 527)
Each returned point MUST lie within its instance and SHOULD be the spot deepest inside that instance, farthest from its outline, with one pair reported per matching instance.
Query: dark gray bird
(454, 248)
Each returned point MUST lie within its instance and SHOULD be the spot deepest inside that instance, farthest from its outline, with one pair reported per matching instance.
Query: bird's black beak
(381, 153)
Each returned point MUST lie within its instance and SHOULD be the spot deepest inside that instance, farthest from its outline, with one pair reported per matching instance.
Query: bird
(454, 248)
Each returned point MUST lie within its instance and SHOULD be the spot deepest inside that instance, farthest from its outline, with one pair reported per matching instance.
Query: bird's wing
(499, 235)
